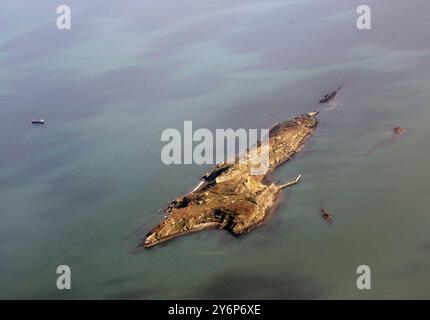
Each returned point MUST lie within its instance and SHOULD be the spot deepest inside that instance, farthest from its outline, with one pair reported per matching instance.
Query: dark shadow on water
(40, 162)
(80, 187)
(257, 286)
(132, 294)
(118, 281)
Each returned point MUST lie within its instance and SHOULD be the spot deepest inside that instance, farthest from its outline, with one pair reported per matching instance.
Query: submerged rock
(326, 214)
(330, 96)
(398, 130)
(231, 197)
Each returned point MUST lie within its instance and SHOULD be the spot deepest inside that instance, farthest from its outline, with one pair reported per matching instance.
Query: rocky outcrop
(398, 130)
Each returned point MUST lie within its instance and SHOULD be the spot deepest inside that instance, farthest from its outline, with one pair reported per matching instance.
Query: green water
(86, 187)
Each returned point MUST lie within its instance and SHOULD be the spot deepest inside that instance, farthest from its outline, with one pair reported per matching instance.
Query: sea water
(83, 189)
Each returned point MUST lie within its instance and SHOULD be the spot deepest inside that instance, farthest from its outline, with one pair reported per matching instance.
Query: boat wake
(332, 106)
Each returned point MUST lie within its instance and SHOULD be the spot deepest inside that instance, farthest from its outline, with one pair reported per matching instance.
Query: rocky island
(230, 197)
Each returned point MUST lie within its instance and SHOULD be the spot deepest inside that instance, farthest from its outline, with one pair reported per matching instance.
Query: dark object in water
(325, 214)
(398, 130)
(37, 121)
(328, 97)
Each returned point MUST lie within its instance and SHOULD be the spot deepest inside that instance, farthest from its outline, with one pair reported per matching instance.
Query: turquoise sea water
(83, 189)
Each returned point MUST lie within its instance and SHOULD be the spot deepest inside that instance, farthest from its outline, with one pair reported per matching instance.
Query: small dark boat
(328, 97)
(325, 214)
(37, 121)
